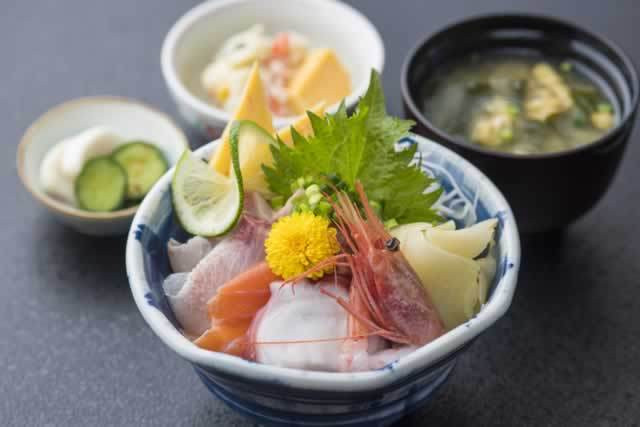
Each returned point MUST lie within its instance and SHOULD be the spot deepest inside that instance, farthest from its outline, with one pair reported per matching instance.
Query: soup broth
(518, 104)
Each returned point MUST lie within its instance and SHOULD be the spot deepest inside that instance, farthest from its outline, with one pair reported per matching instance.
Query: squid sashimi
(301, 327)
(233, 308)
(243, 248)
(443, 259)
(468, 242)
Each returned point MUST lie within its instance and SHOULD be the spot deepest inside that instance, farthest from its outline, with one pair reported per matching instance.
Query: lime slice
(206, 202)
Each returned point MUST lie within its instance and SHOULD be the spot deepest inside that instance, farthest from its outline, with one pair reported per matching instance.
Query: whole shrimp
(386, 298)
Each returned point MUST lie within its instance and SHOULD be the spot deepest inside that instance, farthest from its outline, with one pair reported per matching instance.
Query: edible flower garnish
(359, 147)
(298, 242)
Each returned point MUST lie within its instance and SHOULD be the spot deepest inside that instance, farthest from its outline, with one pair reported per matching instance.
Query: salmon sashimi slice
(233, 308)
(242, 297)
(225, 338)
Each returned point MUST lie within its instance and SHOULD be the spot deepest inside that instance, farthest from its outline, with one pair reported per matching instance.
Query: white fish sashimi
(174, 283)
(256, 206)
(242, 249)
(301, 313)
(183, 257)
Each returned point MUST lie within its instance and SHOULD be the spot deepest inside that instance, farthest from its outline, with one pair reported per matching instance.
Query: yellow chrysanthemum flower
(298, 242)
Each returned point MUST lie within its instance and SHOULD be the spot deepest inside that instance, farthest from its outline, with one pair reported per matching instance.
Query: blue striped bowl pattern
(281, 396)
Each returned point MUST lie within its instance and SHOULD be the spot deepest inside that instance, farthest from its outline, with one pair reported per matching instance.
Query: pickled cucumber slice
(101, 185)
(144, 165)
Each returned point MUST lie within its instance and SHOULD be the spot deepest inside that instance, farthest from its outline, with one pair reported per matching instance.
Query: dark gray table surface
(75, 351)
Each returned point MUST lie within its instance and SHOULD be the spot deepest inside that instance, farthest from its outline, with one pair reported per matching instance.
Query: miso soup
(518, 104)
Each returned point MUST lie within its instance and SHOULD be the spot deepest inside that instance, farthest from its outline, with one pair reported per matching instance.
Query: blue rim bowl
(281, 396)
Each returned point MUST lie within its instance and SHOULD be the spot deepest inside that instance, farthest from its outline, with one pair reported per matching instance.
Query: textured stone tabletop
(74, 351)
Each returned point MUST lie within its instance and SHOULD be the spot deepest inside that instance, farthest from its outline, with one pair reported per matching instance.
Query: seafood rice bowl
(327, 274)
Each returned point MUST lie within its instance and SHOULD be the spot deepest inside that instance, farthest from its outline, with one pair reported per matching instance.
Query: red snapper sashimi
(243, 248)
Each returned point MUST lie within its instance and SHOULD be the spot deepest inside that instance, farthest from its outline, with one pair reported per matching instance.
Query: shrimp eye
(393, 244)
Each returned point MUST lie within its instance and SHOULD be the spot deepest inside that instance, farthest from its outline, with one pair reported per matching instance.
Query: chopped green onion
(277, 202)
(391, 223)
(314, 199)
(303, 207)
(323, 208)
(579, 119)
(566, 66)
(312, 189)
(506, 134)
(513, 109)
(604, 108)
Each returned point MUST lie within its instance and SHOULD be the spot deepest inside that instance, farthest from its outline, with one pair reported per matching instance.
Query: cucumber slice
(101, 185)
(144, 164)
(207, 203)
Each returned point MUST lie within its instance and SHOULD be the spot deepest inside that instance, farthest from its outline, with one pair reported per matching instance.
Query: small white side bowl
(130, 119)
(194, 39)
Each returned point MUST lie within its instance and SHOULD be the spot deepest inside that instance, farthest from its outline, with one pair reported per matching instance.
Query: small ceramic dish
(195, 37)
(547, 191)
(130, 119)
(282, 396)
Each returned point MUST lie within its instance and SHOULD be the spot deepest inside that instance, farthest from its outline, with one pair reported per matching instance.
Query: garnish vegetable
(298, 242)
(206, 202)
(360, 147)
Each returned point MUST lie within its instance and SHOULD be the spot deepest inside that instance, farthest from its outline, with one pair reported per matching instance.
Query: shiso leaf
(359, 147)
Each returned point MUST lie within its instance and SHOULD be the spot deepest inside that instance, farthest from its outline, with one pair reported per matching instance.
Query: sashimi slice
(242, 297)
(183, 257)
(242, 249)
(227, 338)
(257, 206)
(174, 283)
(233, 308)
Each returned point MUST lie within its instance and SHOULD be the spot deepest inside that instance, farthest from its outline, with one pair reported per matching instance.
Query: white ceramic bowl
(194, 39)
(130, 119)
(282, 396)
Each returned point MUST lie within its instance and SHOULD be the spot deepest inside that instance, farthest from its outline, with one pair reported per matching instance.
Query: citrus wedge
(207, 203)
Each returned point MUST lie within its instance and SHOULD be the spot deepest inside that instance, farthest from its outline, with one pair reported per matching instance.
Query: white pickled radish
(52, 181)
(93, 142)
